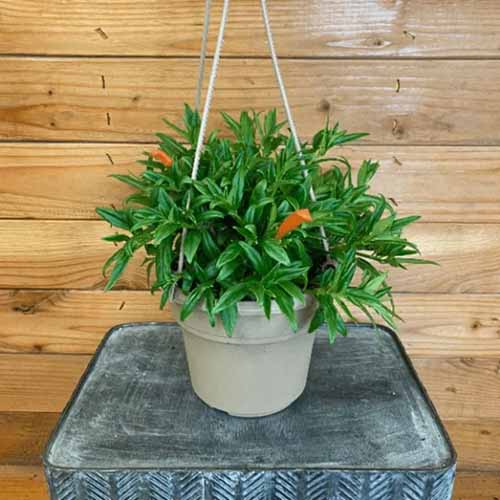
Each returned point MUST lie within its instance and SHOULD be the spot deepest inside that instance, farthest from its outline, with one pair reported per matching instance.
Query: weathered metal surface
(363, 429)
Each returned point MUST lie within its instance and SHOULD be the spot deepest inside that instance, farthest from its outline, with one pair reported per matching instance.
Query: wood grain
(58, 254)
(40, 383)
(477, 486)
(436, 102)
(477, 443)
(70, 321)
(327, 28)
(24, 436)
(67, 181)
(69, 254)
(461, 388)
(74, 321)
(23, 483)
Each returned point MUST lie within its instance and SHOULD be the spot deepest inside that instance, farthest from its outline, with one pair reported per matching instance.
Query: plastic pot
(258, 371)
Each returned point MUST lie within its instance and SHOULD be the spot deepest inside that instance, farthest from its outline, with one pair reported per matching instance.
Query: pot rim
(251, 307)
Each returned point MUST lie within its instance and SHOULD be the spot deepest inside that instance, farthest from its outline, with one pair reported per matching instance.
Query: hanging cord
(288, 111)
(203, 54)
(204, 118)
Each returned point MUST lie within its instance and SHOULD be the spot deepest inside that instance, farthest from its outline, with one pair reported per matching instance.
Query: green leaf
(163, 231)
(117, 218)
(210, 301)
(210, 215)
(231, 296)
(180, 131)
(285, 303)
(317, 320)
(238, 186)
(120, 264)
(229, 317)
(293, 290)
(171, 146)
(375, 283)
(116, 238)
(165, 295)
(266, 304)
(366, 172)
(331, 317)
(208, 244)
(228, 270)
(232, 252)
(191, 244)
(279, 274)
(131, 180)
(192, 300)
(276, 251)
(253, 256)
(231, 123)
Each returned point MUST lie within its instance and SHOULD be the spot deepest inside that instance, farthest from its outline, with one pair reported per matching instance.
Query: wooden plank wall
(83, 85)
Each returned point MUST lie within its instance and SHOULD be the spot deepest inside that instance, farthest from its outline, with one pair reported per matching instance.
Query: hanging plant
(253, 233)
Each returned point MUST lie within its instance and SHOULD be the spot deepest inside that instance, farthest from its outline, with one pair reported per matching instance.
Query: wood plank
(69, 321)
(63, 181)
(467, 255)
(27, 483)
(440, 325)
(461, 388)
(58, 254)
(74, 321)
(477, 486)
(23, 483)
(69, 254)
(24, 436)
(67, 181)
(438, 102)
(477, 443)
(40, 383)
(338, 28)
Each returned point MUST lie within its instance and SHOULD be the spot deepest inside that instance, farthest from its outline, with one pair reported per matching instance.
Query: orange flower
(293, 221)
(162, 157)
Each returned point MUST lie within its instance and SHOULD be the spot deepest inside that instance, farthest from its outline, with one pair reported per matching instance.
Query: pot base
(252, 415)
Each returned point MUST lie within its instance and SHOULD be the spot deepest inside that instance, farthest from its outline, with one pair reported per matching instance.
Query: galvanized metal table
(364, 429)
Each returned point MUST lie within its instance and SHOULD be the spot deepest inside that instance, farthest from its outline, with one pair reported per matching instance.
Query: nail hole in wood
(324, 105)
(397, 130)
(101, 33)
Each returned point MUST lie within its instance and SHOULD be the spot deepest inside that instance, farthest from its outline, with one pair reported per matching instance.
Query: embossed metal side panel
(263, 485)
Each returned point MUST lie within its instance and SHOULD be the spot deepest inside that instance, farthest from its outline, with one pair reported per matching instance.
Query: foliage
(246, 187)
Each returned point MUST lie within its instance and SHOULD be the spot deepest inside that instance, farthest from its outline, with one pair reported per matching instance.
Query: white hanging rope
(288, 111)
(204, 117)
(203, 54)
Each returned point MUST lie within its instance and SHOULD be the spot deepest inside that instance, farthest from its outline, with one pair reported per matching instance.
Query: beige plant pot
(258, 371)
